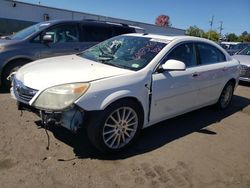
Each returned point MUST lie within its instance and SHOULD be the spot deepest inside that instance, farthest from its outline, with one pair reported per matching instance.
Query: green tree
(212, 35)
(244, 37)
(232, 37)
(195, 31)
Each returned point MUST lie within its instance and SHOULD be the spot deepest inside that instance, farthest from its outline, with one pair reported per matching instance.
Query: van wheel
(117, 128)
(10, 68)
(226, 96)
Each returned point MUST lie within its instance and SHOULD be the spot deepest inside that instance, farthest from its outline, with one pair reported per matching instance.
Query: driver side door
(174, 92)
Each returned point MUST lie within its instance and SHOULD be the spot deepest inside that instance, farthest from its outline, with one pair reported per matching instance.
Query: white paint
(173, 92)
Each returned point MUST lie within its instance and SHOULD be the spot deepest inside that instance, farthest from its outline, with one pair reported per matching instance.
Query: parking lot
(205, 148)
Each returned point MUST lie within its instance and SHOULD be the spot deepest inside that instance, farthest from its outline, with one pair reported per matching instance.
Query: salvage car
(244, 58)
(126, 83)
(53, 38)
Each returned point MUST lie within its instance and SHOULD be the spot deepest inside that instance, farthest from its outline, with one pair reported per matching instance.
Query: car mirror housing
(173, 65)
(47, 38)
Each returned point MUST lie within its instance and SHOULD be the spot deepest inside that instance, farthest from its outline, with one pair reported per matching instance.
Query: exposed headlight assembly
(60, 97)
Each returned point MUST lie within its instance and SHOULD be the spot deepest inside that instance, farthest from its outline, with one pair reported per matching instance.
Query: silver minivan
(53, 38)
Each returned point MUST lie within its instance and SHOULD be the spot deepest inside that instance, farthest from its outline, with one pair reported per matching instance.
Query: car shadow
(247, 84)
(155, 136)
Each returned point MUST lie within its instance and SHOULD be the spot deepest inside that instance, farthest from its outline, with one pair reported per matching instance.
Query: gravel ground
(205, 148)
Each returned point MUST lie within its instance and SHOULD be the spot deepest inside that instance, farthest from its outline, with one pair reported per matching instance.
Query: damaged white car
(125, 84)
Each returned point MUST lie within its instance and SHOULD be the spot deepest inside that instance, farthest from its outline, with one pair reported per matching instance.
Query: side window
(184, 53)
(92, 33)
(117, 30)
(64, 33)
(209, 54)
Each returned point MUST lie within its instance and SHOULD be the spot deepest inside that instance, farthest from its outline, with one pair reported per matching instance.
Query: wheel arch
(232, 80)
(15, 59)
(107, 102)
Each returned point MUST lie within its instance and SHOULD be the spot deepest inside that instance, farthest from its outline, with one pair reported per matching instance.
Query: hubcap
(227, 95)
(120, 127)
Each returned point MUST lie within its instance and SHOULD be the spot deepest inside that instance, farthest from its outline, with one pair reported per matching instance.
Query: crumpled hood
(244, 59)
(49, 72)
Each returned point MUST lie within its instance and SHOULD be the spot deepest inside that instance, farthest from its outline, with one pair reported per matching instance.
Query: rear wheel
(226, 96)
(117, 128)
(10, 68)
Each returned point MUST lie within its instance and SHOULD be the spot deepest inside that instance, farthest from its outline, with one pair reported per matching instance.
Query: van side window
(64, 33)
(184, 53)
(118, 30)
(94, 33)
(209, 54)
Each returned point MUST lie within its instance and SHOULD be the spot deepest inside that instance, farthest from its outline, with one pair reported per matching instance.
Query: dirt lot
(205, 148)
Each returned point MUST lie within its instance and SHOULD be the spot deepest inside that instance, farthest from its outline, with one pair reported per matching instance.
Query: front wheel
(226, 96)
(117, 128)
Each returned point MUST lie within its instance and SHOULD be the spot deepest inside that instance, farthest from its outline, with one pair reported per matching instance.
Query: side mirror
(173, 65)
(47, 38)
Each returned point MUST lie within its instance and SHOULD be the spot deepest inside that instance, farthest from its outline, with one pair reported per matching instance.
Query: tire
(11, 67)
(226, 96)
(117, 126)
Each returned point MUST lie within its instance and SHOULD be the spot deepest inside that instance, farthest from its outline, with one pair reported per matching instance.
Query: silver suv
(53, 38)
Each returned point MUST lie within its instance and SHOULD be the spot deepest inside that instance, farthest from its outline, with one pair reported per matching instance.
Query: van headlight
(60, 97)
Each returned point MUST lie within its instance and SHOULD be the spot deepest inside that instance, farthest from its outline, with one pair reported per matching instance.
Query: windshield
(127, 52)
(28, 31)
(245, 51)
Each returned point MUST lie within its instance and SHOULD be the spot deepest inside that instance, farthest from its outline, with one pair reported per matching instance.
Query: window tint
(64, 33)
(92, 33)
(122, 30)
(184, 53)
(209, 54)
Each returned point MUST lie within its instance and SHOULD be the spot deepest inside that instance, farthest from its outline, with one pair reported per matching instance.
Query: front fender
(114, 97)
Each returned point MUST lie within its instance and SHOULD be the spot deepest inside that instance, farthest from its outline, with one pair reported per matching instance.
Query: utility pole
(221, 28)
(211, 22)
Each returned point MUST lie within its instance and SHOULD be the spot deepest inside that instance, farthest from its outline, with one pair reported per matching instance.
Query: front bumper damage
(71, 118)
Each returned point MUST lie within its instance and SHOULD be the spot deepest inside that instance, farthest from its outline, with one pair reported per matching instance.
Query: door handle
(77, 49)
(195, 74)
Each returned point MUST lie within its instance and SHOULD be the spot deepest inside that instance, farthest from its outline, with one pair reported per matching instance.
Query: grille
(25, 94)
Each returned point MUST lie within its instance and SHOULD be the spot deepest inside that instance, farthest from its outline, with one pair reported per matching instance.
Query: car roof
(89, 22)
(169, 37)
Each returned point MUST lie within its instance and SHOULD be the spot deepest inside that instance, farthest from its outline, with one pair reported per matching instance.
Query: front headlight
(60, 97)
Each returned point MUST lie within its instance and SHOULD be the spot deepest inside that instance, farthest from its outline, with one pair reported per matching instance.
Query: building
(15, 15)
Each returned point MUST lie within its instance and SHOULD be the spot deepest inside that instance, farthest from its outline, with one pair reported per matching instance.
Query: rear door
(211, 73)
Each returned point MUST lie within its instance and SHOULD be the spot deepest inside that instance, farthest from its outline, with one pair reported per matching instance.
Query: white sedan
(126, 83)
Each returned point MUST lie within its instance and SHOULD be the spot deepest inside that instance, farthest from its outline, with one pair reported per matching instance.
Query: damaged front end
(72, 117)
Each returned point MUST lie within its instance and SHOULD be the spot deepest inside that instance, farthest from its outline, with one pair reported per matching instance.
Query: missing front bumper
(72, 118)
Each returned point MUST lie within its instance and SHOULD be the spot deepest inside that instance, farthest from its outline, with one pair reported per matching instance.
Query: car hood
(244, 59)
(49, 72)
